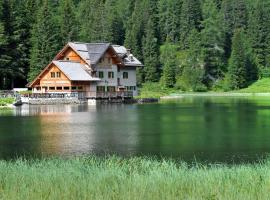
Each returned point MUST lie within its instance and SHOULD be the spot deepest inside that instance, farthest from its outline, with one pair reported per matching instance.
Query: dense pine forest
(192, 45)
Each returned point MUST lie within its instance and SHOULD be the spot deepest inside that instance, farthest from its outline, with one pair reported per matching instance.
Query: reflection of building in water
(84, 129)
(68, 133)
(32, 110)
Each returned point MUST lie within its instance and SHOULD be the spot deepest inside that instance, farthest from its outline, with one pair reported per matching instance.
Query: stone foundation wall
(53, 101)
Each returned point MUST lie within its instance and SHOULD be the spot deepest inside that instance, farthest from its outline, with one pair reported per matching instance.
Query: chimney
(128, 51)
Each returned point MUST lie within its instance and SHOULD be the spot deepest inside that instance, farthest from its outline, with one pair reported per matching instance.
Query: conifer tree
(168, 60)
(259, 34)
(212, 42)
(135, 29)
(45, 41)
(24, 20)
(169, 19)
(9, 70)
(237, 70)
(67, 22)
(192, 75)
(190, 18)
(150, 54)
(235, 16)
(91, 18)
(114, 31)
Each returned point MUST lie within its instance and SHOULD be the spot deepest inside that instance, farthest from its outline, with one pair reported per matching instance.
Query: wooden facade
(53, 80)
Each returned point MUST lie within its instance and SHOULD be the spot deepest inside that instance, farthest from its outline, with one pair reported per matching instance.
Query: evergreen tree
(114, 31)
(91, 18)
(45, 41)
(67, 22)
(238, 63)
(235, 16)
(9, 70)
(190, 19)
(135, 29)
(259, 33)
(3, 58)
(169, 19)
(150, 54)
(25, 17)
(191, 78)
(212, 42)
(168, 60)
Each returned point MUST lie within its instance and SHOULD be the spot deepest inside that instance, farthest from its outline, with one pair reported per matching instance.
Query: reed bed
(130, 178)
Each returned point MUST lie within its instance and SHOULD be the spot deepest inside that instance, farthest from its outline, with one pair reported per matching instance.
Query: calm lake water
(217, 129)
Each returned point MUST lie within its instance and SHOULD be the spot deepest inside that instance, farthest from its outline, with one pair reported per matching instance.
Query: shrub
(6, 101)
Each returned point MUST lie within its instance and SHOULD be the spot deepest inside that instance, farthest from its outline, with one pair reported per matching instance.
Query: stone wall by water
(52, 101)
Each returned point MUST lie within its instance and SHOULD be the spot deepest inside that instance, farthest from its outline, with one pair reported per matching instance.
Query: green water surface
(211, 129)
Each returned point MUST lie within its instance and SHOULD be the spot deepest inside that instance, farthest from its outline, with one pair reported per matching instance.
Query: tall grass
(132, 178)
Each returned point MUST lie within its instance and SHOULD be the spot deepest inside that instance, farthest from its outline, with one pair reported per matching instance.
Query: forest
(192, 45)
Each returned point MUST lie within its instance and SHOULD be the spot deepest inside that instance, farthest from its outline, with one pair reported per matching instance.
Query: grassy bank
(156, 90)
(134, 178)
(260, 86)
(6, 101)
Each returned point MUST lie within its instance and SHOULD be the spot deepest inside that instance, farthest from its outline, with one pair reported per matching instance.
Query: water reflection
(210, 129)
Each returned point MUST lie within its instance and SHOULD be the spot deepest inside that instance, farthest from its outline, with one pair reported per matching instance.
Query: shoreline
(215, 94)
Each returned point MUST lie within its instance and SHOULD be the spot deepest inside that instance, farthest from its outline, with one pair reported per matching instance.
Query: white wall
(131, 81)
(106, 69)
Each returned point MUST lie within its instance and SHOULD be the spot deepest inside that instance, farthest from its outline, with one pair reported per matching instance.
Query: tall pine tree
(259, 34)
(45, 41)
(238, 63)
(151, 54)
(169, 19)
(212, 42)
(24, 21)
(169, 62)
(190, 19)
(91, 18)
(67, 22)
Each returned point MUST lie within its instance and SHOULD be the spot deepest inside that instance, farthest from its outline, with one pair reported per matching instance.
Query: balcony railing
(105, 95)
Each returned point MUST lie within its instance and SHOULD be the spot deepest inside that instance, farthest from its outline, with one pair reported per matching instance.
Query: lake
(207, 129)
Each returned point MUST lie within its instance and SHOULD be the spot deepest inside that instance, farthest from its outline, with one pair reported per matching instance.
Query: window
(58, 88)
(66, 88)
(58, 74)
(100, 88)
(109, 60)
(73, 88)
(111, 89)
(38, 88)
(125, 75)
(51, 88)
(101, 74)
(110, 75)
(52, 74)
(80, 87)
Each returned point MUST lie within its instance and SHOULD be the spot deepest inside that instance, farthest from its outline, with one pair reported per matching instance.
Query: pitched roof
(75, 71)
(128, 59)
(91, 52)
